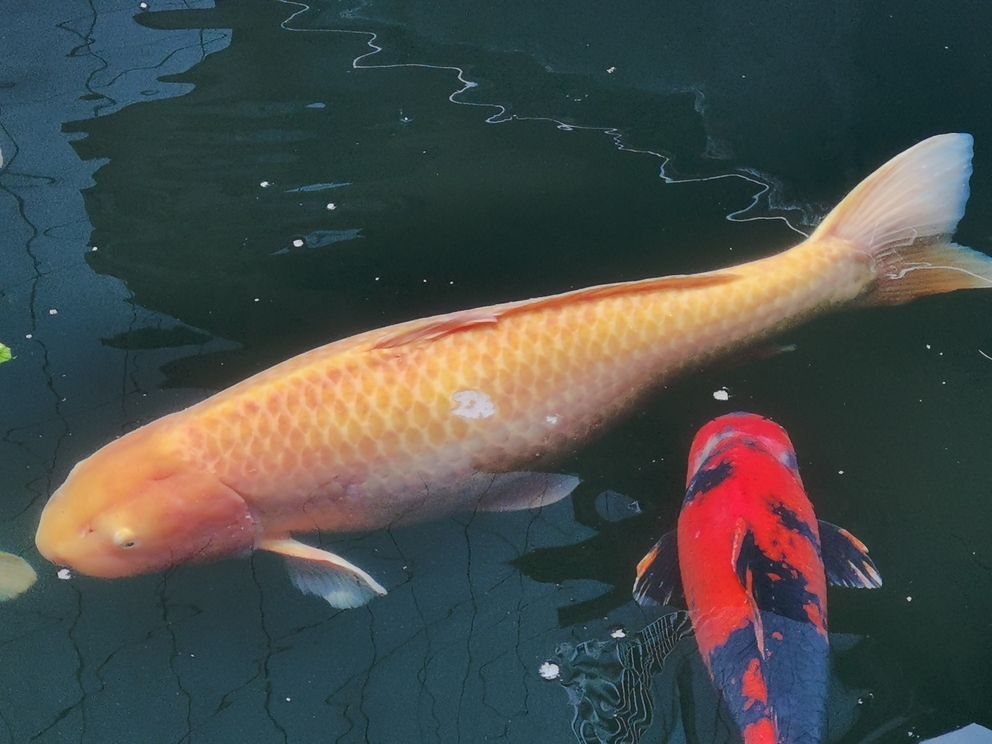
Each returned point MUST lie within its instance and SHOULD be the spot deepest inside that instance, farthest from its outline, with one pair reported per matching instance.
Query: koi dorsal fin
(438, 327)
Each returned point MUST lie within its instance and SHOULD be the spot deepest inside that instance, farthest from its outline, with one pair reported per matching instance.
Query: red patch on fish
(749, 559)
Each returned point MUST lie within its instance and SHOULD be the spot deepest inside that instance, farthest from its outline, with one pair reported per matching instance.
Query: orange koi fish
(461, 411)
(753, 562)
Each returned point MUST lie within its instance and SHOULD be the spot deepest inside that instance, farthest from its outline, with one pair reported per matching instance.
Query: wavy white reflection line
(500, 116)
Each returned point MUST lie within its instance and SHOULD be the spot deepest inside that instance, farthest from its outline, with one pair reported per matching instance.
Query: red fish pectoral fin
(314, 571)
(658, 575)
(845, 559)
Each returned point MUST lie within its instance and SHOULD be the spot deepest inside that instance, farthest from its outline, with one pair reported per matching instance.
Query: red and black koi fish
(754, 566)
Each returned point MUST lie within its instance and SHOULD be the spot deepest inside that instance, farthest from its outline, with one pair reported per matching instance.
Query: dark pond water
(193, 193)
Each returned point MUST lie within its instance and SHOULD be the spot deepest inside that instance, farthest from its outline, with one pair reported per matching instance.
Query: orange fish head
(741, 428)
(135, 506)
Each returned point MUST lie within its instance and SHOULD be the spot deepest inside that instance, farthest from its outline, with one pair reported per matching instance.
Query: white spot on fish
(552, 419)
(64, 574)
(473, 404)
(721, 394)
(549, 671)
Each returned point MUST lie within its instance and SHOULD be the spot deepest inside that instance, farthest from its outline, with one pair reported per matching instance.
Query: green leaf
(5, 355)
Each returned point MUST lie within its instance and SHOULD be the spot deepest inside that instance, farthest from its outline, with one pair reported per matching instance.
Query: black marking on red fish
(707, 479)
(792, 521)
(795, 668)
(776, 586)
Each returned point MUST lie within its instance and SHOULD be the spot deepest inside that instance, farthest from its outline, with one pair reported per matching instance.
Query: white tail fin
(904, 215)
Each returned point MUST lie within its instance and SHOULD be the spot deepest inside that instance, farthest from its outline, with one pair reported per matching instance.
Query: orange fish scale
(492, 397)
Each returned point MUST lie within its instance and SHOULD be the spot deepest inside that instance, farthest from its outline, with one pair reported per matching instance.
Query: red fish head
(136, 506)
(736, 429)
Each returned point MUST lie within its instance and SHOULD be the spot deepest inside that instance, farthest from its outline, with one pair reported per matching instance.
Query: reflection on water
(209, 147)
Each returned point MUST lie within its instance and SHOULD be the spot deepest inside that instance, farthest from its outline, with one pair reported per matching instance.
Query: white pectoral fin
(314, 571)
(525, 490)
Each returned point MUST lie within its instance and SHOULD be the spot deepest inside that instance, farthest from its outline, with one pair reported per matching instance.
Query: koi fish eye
(124, 538)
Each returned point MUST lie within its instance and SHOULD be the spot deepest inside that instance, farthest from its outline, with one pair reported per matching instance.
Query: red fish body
(753, 562)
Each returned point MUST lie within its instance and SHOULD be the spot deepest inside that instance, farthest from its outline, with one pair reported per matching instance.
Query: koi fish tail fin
(903, 216)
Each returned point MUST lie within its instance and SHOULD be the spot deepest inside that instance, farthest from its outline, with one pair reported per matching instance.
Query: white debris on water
(265, 184)
(64, 574)
(298, 243)
(53, 311)
(552, 419)
(610, 70)
(721, 394)
(549, 670)
(618, 632)
(331, 206)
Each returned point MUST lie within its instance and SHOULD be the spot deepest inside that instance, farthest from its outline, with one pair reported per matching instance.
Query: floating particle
(298, 243)
(28, 335)
(928, 347)
(265, 184)
(331, 206)
(16, 576)
(840, 472)
(143, 5)
(618, 632)
(909, 599)
(610, 70)
(317, 105)
(549, 670)
(64, 574)
(721, 394)
(257, 299)
(94, 249)
(53, 311)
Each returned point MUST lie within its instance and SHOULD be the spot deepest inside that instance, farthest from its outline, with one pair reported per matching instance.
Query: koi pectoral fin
(658, 576)
(846, 560)
(524, 490)
(314, 571)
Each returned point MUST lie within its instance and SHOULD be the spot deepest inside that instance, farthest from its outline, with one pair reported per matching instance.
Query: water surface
(194, 193)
